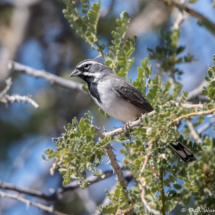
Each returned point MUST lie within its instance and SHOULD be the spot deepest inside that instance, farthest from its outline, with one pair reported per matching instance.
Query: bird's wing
(126, 91)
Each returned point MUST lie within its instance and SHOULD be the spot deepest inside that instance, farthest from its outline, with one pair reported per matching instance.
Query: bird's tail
(183, 152)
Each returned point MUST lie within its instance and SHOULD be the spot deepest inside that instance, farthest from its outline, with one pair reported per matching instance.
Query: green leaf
(103, 113)
(122, 49)
(207, 79)
(210, 73)
(177, 186)
(62, 171)
(109, 209)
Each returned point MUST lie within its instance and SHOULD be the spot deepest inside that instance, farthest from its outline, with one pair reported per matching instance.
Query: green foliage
(210, 91)
(200, 182)
(85, 26)
(159, 92)
(143, 73)
(77, 151)
(168, 53)
(119, 57)
(206, 23)
(108, 209)
(119, 201)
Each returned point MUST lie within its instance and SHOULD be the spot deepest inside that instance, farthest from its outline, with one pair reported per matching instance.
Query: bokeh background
(35, 33)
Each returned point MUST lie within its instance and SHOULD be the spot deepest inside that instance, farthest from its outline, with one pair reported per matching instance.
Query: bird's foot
(126, 126)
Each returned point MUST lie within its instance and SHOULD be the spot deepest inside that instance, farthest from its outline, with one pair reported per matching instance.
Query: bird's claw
(126, 126)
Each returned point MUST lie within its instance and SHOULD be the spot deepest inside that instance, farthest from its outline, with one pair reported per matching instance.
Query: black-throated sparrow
(118, 98)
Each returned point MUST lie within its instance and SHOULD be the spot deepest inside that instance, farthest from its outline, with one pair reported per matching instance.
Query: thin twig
(128, 177)
(190, 115)
(116, 167)
(5, 98)
(206, 126)
(122, 212)
(193, 132)
(49, 209)
(113, 162)
(58, 194)
(150, 210)
(191, 12)
(53, 79)
(162, 192)
(198, 90)
(142, 181)
(19, 98)
(7, 88)
(147, 156)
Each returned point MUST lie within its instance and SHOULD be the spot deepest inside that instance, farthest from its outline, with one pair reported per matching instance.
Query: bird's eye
(87, 66)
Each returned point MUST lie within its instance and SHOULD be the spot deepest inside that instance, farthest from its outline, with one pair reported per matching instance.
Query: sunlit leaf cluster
(77, 151)
(119, 57)
(85, 26)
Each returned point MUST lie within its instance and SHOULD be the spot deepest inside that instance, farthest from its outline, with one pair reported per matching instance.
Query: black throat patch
(93, 88)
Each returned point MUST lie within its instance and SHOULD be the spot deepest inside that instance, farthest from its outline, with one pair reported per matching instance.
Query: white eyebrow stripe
(88, 62)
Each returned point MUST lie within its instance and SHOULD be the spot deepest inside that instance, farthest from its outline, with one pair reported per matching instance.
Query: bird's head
(90, 70)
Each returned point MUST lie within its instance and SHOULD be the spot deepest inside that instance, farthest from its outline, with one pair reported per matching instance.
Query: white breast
(115, 106)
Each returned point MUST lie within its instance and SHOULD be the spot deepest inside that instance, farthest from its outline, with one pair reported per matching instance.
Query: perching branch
(49, 209)
(5, 98)
(53, 79)
(118, 131)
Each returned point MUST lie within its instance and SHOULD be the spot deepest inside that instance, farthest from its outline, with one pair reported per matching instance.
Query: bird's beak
(76, 72)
